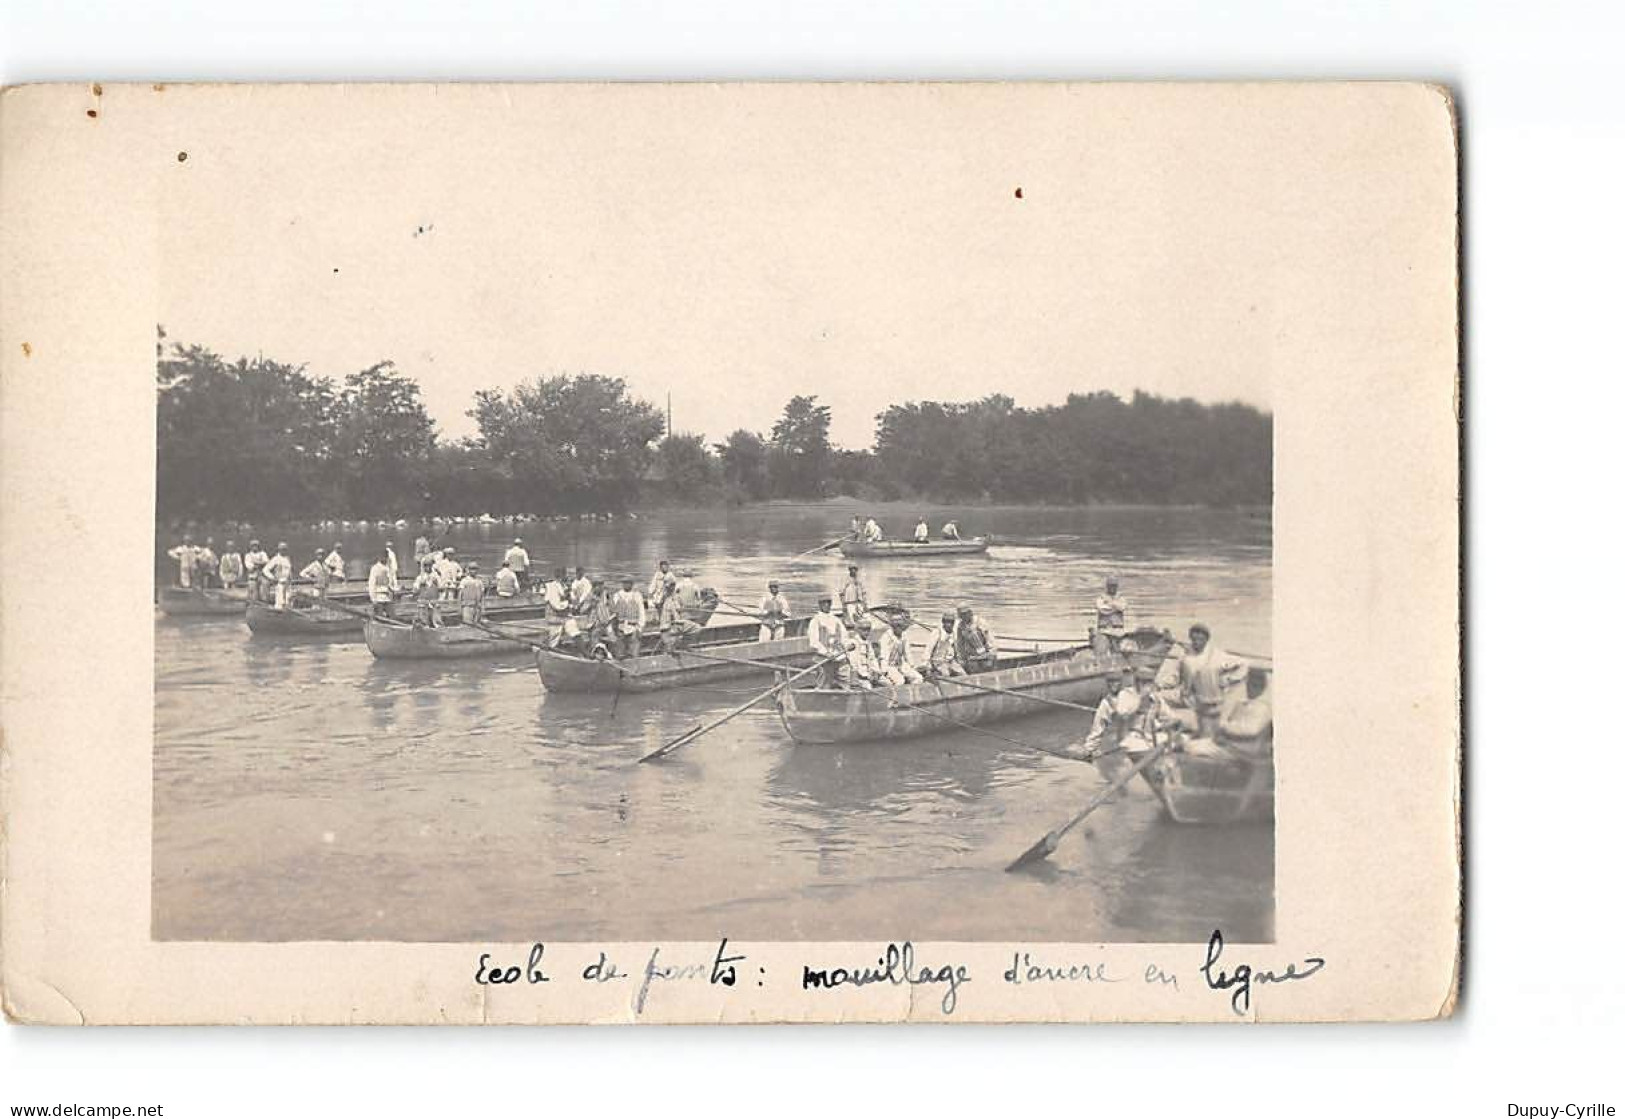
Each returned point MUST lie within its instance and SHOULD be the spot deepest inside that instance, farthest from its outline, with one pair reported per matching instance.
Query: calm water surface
(308, 792)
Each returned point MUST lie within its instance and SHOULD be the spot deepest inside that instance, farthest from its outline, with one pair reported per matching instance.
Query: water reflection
(309, 791)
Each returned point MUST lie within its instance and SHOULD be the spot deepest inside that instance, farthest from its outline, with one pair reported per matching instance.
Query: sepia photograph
(618, 569)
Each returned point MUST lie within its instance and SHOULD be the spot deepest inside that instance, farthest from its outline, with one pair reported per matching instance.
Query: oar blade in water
(1037, 853)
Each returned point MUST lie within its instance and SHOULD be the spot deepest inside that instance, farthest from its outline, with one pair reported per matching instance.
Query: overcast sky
(737, 247)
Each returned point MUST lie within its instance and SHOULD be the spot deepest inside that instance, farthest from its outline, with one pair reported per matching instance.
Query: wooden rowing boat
(312, 618)
(832, 715)
(702, 661)
(859, 549)
(523, 627)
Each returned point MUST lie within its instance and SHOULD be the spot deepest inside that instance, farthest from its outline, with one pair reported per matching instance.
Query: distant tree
(744, 464)
(383, 441)
(800, 464)
(568, 443)
(249, 439)
(686, 465)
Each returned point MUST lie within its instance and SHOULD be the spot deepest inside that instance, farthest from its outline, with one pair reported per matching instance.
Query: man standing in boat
(828, 637)
(1110, 612)
(599, 622)
(471, 596)
(231, 566)
(1205, 671)
(335, 564)
(185, 556)
(381, 586)
(775, 611)
(630, 617)
(656, 593)
(254, 561)
(394, 566)
(941, 657)
(974, 646)
(854, 599)
(922, 532)
(316, 572)
(426, 590)
(580, 590)
(872, 533)
(278, 571)
(518, 560)
(208, 565)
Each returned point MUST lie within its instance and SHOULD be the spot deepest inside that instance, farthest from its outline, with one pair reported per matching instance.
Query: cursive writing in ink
(896, 967)
(1241, 979)
(487, 974)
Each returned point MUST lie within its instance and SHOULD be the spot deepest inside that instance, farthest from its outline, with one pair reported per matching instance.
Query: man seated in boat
(1132, 715)
(380, 587)
(974, 646)
(676, 627)
(185, 556)
(872, 533)
(317, 574)
(941, 655)
(862, 657)
(774, 612)
(507, 582)
(594, 621)
(471, 596)
(335, 564)
(827, 635)
(1205, 672)
(1247, 723)
(1111, 610)
(892, 649)
(555, 594)
(426, 590)
(854, 599)
(278, 571)
(922, 532)
(231, 566)
(950, 531)
(630, 617)
(689, 591)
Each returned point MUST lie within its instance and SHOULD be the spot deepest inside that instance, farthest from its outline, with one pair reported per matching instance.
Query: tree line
(260, 439)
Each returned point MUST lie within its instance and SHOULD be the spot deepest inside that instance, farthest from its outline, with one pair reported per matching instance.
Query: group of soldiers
(611, 624)
(267, 576)
(868, 530)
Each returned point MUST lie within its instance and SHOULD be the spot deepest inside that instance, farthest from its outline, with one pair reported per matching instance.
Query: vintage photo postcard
(729, 553)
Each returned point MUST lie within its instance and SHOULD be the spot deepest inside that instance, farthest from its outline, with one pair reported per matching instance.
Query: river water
(309, 792)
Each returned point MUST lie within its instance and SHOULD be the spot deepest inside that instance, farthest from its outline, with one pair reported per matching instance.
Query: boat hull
(858, 549)
(194, 602)
(825, 716)
(1208, 787)
(700, 663)
(316, 620)
(452, 640)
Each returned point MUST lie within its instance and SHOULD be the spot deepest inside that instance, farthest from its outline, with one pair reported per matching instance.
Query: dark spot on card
(28, 351)
(1018, 192)
(91, 113)
(180, 157)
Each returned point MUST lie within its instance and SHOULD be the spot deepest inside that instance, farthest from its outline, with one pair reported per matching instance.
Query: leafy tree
(686, 466)
(383, 441)
(801, 460)
(568, 443)
(744, 464)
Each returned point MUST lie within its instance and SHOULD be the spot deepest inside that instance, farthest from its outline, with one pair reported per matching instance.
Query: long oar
(727, 660)
(820, 548)
(1045, 847)
(689, 736)
(963, 683)
(514, 637)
